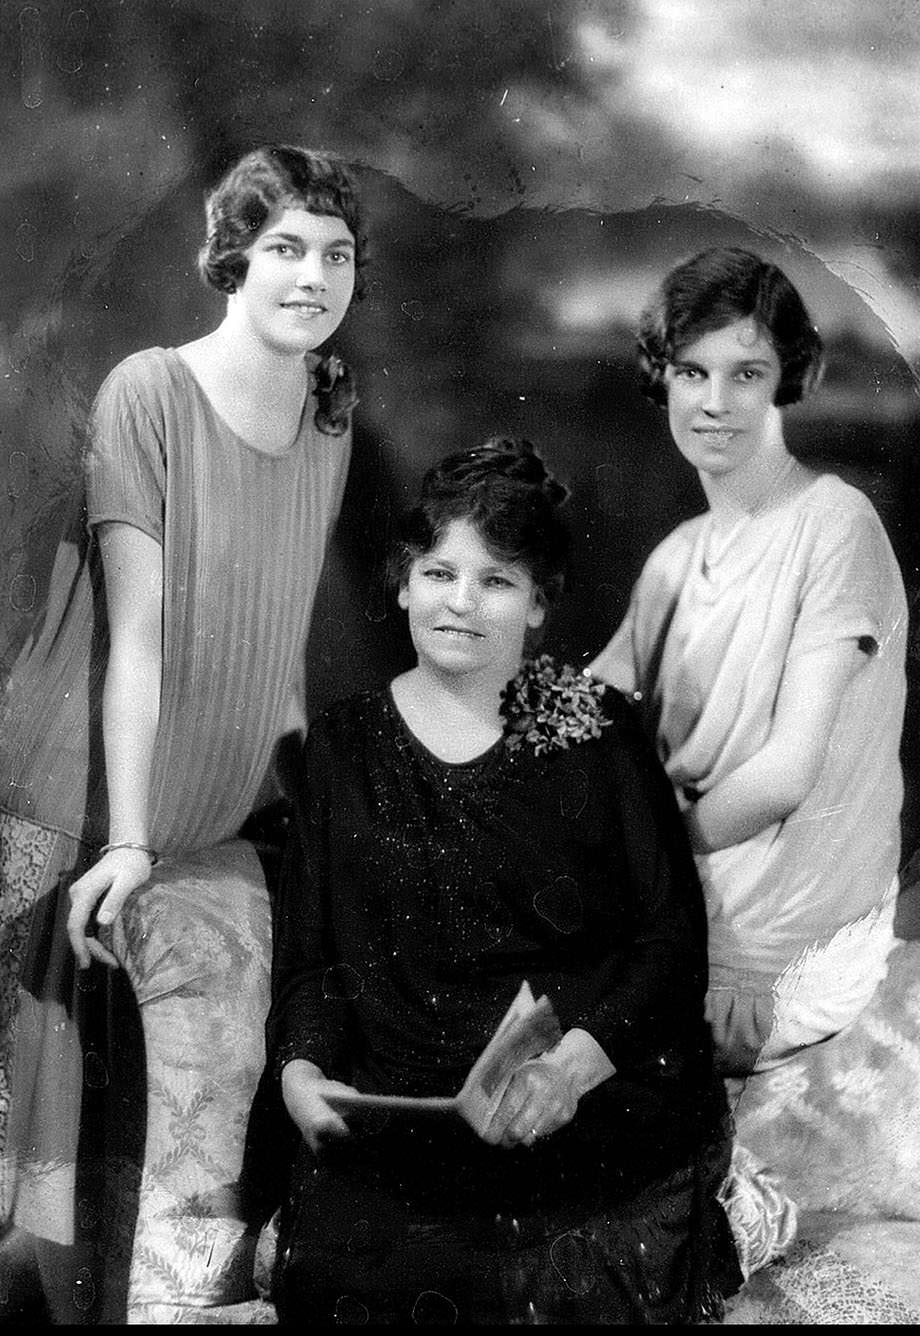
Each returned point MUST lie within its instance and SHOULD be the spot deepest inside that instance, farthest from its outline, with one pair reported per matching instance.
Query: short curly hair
(505, 491)
(714, 289)
(275, 176)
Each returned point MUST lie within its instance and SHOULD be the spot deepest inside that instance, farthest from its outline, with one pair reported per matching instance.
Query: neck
(457, 716)
(252, 362)
(745, 492)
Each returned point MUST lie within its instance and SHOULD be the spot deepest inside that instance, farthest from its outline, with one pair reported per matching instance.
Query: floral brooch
(551, 706)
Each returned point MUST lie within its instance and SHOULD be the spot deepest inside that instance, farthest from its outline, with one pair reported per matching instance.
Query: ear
(402, 596)
(536, 613)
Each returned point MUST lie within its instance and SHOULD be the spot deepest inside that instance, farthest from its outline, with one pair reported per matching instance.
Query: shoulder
(620, 708)
(143, 367)
(141, 379)
(555, 709)
(336, 739)
(843, 522)
(625, 729)
(596, 731)
(346, 722)
(834, 505)
(827, 492)
(673, 552)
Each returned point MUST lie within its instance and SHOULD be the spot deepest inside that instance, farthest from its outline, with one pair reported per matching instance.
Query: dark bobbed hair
(505, 491)
(276, 176)
(714, 289)
(273, 177)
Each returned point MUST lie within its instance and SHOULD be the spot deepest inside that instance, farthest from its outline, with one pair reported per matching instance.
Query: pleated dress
(244, 535)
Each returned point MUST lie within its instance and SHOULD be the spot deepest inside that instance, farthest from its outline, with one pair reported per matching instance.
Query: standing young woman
(767, 640)
(141, 717)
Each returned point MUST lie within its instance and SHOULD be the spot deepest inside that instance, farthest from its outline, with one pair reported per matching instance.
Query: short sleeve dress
(244, 535)
(800, 915)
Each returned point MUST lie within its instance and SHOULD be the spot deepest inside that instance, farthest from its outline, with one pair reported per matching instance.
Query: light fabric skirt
(760, 1021)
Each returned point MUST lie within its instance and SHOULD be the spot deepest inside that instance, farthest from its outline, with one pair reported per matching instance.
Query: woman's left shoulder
(553, 707)
(832, 503)
(842, 525)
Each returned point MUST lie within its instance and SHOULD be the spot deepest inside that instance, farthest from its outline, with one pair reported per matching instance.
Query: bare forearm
(131, 707)
(754, 797)
(776, 780)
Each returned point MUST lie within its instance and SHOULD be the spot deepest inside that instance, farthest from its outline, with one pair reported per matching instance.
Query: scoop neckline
(231, 431)
(473, 763)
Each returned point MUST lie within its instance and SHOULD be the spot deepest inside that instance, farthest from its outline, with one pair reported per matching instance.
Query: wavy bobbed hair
(283, 176)
(714, 289)
(276, 176)
(504, 489)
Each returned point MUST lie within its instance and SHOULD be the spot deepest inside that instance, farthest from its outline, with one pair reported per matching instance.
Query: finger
(97, 951)
(524, 1131)
(84, 894)
(82, 901)
(76, 931)
(543, 1113)
(320, 1130)
(521, 1120)
(111, 906)
(80, 947)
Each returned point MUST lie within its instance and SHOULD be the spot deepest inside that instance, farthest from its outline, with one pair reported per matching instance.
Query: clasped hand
(541, 1097)
(110, 881)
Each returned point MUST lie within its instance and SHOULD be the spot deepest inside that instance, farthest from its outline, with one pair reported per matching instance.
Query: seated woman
(473, 825)
(766, 638)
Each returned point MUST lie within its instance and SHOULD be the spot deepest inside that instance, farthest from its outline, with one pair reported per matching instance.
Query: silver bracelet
(129, 844)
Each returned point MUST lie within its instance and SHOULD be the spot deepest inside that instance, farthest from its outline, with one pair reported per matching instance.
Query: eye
(749, 374)
(339, 257)
(435, 573)
(686, 373)
(280, 248)
(498, 582)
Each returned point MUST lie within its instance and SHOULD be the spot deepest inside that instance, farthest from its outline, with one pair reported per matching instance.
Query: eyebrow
(299, 241)
(741, 362)
(497, 568)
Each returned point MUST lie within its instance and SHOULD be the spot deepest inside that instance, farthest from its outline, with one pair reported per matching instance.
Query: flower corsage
(548, 706)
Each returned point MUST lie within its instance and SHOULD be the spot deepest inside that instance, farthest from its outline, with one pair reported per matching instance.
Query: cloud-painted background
(531, 170)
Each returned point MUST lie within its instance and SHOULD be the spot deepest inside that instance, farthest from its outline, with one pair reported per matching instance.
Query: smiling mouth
(304, 308)
(719, 434)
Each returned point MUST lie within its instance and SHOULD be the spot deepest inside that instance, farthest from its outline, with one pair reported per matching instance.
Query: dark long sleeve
(309, 1012)
(643, 1002)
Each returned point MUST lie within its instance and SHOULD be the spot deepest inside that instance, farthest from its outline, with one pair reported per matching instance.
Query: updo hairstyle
(259, 185)
(714, 289)
(505, 491)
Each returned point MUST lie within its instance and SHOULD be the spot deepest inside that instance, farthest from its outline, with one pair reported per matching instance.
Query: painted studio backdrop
(530, 170)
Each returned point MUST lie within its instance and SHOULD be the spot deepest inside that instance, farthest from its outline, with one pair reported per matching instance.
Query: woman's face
(721, 389)
(299, 281)
(468, 610)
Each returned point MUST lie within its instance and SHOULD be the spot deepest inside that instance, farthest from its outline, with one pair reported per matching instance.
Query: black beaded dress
(417, 896)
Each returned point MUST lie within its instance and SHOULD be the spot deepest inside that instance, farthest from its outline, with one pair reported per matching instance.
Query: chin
(454, 663)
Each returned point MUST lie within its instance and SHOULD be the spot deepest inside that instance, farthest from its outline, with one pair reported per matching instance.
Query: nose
(461, 596)
(310, 273)
(715, 396)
